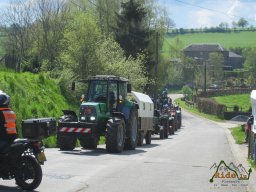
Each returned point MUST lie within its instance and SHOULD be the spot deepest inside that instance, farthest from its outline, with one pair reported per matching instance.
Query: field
(227, 40)
(241, 100)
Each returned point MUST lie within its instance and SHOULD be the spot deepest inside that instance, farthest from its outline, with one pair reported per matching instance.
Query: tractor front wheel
(115, 136)
(66, 143)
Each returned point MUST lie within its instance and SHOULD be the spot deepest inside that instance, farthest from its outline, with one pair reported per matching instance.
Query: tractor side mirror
(129, 88)
(73, 86)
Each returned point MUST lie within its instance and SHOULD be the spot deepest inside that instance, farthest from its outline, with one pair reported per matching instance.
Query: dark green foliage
(131, 32)
(187, 92)
(209, 106)
(236, 108)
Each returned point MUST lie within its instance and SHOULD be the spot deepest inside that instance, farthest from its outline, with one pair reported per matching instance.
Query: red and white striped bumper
(75, 130)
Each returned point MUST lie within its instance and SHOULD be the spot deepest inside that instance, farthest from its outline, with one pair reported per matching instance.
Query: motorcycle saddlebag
(38, 128)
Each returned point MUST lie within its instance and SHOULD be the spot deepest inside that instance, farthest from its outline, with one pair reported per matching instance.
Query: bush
(209, 106)
(187, 92)
(236, 108)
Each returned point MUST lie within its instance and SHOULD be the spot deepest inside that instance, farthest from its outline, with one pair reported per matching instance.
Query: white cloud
(202, 18)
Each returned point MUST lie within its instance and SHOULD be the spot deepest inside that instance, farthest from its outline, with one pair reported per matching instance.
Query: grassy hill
(228, 40)
(33, 96)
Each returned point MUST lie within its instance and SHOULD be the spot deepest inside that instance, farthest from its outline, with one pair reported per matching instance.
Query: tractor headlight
(92, 118)
(83, 118)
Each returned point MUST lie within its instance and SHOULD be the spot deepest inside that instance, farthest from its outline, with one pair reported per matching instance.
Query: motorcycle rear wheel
(28, 173)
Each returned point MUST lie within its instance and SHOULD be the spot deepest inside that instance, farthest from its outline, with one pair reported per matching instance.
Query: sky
(209, 13)
(203, 13)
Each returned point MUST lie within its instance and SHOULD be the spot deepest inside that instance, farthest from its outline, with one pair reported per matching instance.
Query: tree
(250, 65)
(36, 32)
(106, 11)
(223, 25)
(242, 22)
(131, 31)
(216, 61)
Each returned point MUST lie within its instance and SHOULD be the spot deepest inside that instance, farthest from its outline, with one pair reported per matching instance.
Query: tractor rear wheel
(89, 143)
(115, 136)
(161, 133)
(140, 138)
(166, 127)
(66, 143)
(132, 130)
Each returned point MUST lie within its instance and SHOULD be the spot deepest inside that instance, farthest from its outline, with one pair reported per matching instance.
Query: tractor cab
(110, 91)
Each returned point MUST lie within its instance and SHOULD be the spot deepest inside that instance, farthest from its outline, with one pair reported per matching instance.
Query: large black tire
(89, 142)
(28, 173)
(161, 133)
(166, 127)
(66, 143)
(140, 138)
(175, 123)
(115, 136)
(132, 130)
(148, 137)
(171, 128)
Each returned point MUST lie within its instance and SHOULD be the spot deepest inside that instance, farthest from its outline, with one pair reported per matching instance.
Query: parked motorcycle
(22, 161)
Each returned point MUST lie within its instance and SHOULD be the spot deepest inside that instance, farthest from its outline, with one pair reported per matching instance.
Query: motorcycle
(22, 161)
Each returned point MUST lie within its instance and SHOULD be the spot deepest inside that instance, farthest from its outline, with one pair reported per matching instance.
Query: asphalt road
(180, 163)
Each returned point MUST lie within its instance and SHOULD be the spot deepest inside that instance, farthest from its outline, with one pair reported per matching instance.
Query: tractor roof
(107, 77)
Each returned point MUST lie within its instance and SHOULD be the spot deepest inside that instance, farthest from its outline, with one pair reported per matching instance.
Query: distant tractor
(161, 124)
(105, 111)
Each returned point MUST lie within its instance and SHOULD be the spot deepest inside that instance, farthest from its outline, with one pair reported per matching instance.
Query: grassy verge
(194, 110)
(252, 163)
(238, 134)
(241, 100)
(34, 96)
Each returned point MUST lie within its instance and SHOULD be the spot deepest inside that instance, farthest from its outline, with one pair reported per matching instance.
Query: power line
(209, 9)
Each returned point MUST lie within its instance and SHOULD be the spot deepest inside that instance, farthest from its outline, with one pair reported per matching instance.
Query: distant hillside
(227, 40)
(33, 95)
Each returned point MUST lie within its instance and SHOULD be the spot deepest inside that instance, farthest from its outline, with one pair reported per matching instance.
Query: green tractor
(104, 111)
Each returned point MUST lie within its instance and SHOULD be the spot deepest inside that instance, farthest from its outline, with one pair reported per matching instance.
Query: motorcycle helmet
(4, 99)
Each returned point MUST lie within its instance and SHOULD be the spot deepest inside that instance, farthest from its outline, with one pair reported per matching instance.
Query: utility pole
(156, 65)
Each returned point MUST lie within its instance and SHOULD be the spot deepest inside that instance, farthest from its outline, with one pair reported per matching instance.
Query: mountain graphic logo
(231, 171)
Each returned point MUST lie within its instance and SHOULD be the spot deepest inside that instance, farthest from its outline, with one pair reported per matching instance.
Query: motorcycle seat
(13, 148)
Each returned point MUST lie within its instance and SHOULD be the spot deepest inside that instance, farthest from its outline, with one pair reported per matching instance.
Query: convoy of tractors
(110, 109)
(124, 117)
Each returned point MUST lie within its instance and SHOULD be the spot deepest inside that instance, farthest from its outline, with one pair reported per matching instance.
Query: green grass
(252, 163)
(172, 91)
(241, 100)
(238, 134)
(227, 40)
(195, 111)
(34, 96)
